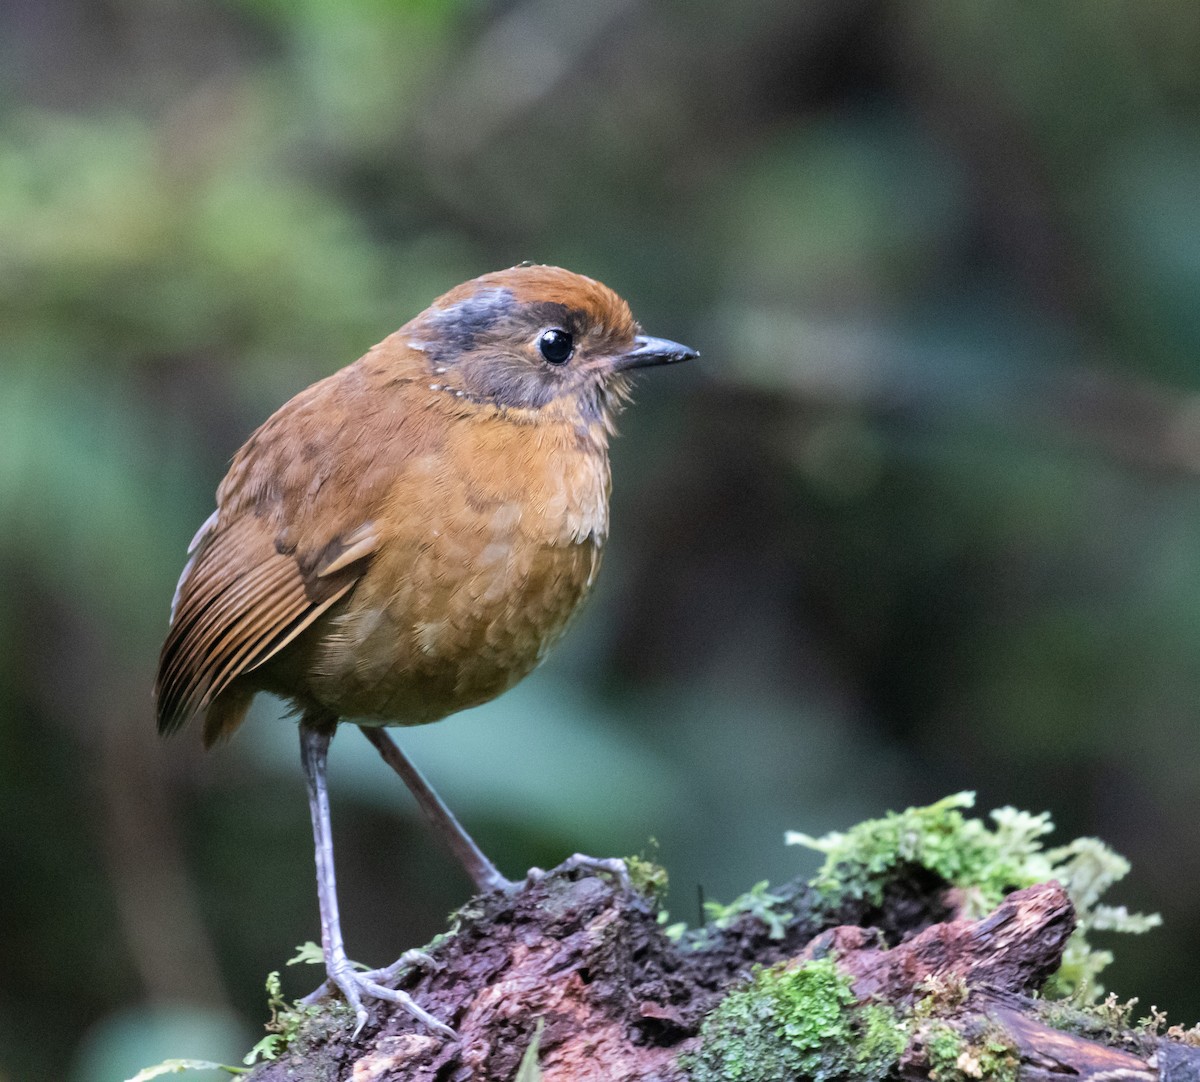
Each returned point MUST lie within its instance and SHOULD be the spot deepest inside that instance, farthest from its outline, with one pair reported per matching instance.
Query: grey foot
(497, 883)
(610, 866)
(356, 985)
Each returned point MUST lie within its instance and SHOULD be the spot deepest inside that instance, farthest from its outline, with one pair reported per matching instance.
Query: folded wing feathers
(356, 546)
(238, 604)
(193, 545)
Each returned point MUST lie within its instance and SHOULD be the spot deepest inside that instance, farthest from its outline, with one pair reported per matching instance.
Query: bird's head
(536, 341)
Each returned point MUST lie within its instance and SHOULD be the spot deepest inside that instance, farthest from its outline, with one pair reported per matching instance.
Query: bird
(408, 538)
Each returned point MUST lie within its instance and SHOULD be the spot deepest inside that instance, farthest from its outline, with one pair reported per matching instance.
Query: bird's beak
(648, 351)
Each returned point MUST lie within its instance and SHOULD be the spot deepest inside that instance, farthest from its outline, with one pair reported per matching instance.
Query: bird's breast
(490, 544)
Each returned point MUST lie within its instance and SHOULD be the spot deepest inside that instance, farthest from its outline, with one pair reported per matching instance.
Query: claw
(403, 999)
(408, 960)
(354, 985)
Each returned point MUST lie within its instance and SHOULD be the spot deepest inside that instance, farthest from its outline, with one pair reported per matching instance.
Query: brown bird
(408, 538)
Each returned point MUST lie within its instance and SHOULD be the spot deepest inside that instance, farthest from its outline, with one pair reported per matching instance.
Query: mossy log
(574, 977)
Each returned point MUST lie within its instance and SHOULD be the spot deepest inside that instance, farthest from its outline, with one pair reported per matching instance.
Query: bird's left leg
(315, 735)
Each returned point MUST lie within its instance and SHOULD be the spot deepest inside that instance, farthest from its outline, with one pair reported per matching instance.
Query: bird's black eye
(556, 345)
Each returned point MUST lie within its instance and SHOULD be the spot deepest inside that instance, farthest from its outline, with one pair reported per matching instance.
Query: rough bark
(620, 1001)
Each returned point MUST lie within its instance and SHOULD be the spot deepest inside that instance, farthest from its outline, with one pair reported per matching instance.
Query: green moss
(943, 1046)
(799, 1022)
(957, 1057)
(647, 878)
(997, 1058)
(941, 993)
(986, 861)
(294, 1026)
(1115, 1022)
(757, 902)
(965, 852)
(881, 1037)
(804, 1023)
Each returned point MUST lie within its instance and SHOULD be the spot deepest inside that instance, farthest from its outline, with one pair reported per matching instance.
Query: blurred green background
(925, 517)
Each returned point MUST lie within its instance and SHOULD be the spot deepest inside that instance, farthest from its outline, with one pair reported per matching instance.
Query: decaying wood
(619, 1001)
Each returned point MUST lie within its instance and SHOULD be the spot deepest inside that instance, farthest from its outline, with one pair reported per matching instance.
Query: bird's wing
(292, 534)
(240, 602)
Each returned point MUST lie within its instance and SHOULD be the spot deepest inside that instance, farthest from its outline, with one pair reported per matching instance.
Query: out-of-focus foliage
(926, 515)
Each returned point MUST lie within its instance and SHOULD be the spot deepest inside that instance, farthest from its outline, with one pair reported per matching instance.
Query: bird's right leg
(484, 874)
(315, 735)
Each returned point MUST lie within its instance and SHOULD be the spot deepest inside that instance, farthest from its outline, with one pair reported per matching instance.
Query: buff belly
(465, 625)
